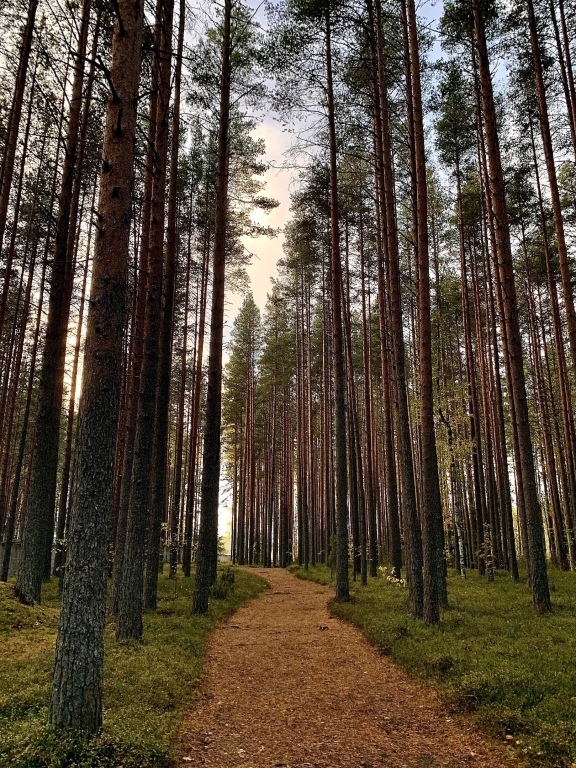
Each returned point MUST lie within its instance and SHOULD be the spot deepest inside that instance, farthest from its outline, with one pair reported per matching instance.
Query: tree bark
(208, 534)
(36, 541)
(131, 586)
(411, 523)
(432, 524)
(535, 534)
(342, 586)
(76, 701)
(165, 350)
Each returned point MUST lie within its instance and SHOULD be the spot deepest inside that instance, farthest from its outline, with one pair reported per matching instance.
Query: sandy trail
(287, 686)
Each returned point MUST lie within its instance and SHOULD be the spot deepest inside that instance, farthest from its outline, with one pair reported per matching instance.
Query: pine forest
(287, 328)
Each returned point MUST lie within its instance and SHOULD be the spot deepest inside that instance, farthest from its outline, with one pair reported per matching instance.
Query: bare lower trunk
(342, 587)
(76, 701)
(37, 539)
(535, 534)
(208, 534)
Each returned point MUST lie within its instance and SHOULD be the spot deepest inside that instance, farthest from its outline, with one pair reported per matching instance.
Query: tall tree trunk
(10, 383)
(67, 463)
(172, 204)
(208, 534)
(412, 532)
(15, 490)
(76, 701)
(431, 516)
(136, 351)
(12, 139)
(11, 417)
(566, 74)
(567, 66)
(166, 335)
(131, 586)
(37, 539)
(65, 478)
(195, 418)
(9, 359)
(569, 436)
(475, 430)
(535, 534)
(368, 416)
(342, 586)
(552, 181)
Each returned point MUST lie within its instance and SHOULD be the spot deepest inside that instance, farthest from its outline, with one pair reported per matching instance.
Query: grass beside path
(491, 655)
(147, 688)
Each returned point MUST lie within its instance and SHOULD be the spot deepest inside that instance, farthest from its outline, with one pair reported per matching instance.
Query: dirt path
(288, 686)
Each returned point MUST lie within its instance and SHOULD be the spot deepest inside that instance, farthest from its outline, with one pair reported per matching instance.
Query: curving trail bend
(288, 686)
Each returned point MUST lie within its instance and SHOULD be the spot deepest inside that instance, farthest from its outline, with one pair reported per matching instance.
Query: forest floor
(288, 685)
(148, 688)
(491, 656)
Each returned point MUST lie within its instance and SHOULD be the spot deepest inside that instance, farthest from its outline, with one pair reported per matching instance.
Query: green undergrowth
(148, 687)
(491, 655)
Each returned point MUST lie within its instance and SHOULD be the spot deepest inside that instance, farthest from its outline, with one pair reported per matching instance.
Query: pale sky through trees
(267, 250)
(279, 183)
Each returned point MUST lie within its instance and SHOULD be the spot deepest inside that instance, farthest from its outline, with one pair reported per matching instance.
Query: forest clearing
(287, 290)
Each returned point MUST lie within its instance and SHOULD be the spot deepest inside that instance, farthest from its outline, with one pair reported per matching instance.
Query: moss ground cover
(147, 689)
(490, 655)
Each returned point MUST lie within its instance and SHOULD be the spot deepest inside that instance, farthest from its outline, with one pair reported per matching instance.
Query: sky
(267, 250)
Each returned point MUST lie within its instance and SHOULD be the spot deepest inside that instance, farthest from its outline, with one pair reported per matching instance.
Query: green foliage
(454, 106)
(147, 688)
(490, 655)
(244, 350)
(224, 585)
(567, 184)
(317, 573)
